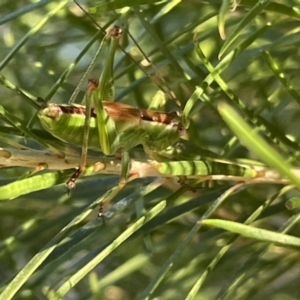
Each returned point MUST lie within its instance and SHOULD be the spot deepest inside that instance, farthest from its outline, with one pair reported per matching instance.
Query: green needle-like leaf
(251, 139)
(255, 233)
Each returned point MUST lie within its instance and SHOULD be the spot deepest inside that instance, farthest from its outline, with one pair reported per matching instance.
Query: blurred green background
(257, 43)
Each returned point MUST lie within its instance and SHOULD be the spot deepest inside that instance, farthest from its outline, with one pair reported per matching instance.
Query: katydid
(109, 126)
(115, 127)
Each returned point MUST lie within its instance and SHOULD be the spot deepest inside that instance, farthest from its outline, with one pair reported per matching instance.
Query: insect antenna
(161, 83)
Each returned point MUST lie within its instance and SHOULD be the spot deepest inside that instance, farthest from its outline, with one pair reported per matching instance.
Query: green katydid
(114, 127)
(110, 126)
(156, 131)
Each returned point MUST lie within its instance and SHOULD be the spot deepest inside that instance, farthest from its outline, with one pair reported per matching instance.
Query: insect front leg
(85, 139)
(95, 95)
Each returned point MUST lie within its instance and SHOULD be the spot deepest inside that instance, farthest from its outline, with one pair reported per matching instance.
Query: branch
(40, 160)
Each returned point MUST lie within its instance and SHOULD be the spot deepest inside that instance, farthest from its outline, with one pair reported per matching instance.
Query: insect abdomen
(68, 126)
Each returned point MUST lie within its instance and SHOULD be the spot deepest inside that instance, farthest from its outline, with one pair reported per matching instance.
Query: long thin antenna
(156, 71)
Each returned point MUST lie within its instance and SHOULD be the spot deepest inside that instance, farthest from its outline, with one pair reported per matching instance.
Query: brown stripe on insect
(73, 110)
(164, 118)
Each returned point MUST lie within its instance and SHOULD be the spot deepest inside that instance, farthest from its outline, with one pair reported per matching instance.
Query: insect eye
(181, 130)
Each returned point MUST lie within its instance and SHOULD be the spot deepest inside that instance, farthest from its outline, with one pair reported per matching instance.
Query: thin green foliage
(58, 240)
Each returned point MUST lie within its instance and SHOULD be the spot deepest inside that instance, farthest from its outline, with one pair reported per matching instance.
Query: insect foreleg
(96, 93)
(85, 139)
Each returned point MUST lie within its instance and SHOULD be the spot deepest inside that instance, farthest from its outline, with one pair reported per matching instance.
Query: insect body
(156, 131)
(114, 127)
